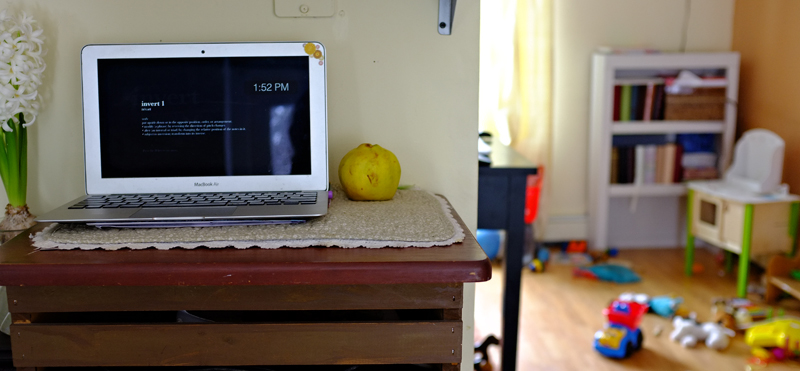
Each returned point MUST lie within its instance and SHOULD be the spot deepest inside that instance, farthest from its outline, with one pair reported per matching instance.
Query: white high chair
(748, 212)
(757, 162)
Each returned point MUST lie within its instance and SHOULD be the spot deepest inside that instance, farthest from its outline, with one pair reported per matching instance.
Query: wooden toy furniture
(749, 212)
(778, 279)
(287, 306)
(740, 222)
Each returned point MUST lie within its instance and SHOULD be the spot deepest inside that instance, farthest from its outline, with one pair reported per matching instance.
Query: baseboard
(566, 228)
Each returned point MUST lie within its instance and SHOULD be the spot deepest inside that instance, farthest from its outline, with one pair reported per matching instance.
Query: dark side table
(269, 307)
(501, 205)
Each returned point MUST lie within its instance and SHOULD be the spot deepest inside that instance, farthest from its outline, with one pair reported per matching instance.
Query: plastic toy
(576, 247)
(622, 336)
(608, 272)
(743, 311)
(491, 240)
(777, 339)
(636, 297)
(536, 266)
(688, 332)
(665, 306)
(717, 336)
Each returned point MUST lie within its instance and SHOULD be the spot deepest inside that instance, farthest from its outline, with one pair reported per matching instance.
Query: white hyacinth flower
(21, 68)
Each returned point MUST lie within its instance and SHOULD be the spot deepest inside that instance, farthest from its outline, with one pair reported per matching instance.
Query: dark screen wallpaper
(204, 117)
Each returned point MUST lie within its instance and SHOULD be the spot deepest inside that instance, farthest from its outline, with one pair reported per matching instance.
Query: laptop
(202, 132)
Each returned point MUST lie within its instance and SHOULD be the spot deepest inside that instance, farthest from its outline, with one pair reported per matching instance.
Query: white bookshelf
(609, 70)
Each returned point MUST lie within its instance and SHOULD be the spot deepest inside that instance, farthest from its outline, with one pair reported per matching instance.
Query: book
(647, 111)
(622, 160)
(699, 159)
(650, 164)
(660, 162)
(668, 171)
(641, 158)
(640, 102)
(630, 163)
(614, 165)
(625, 103)
(635, 114)
(617, 96)
(700, 173)
(678, 168)
(658, 103)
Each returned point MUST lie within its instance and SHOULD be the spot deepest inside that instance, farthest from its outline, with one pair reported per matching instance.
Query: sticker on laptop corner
(313, 50)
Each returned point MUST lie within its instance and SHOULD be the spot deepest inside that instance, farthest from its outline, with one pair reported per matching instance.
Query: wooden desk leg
(515, 246)
(689, 259)
(744, 257)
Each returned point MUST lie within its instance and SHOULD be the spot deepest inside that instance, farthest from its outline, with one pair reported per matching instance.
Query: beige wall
(392, 80)
(766, 35)
(580, 27)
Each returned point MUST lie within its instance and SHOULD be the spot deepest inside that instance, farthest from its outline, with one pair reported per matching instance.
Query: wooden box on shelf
(701, 104)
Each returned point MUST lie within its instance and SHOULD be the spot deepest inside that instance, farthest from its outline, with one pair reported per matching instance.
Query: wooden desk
(311, 306)
(501, 205)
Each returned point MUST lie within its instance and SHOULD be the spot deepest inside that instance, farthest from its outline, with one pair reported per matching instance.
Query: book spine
(617, 96)
(641, 159)
(625, 103)
(678, 168)
(635, 114)
(650, 164)
(668, 173)
(660, 163)
(614, 165)
(658, 103)
(700, 173)
(647, 111)
(630, 164)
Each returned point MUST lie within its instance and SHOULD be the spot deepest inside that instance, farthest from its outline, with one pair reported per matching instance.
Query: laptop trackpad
(184, 212)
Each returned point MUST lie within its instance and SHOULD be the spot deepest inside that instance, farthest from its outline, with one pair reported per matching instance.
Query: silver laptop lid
(222, 117)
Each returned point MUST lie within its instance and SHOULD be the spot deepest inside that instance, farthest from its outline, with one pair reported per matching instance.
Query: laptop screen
(227, 117)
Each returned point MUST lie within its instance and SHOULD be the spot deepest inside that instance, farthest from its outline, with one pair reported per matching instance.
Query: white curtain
(516, 78)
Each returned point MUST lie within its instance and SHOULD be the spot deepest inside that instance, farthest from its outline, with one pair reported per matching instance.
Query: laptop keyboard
(196, 199)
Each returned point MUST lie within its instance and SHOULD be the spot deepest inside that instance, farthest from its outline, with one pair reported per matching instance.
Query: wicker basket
(701, 104)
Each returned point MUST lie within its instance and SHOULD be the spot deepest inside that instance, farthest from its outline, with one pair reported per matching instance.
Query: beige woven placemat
(412, 218)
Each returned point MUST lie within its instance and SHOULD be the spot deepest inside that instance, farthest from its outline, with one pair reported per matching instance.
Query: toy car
(622, 336)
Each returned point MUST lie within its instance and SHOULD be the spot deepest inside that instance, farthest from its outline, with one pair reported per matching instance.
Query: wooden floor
(560, 314)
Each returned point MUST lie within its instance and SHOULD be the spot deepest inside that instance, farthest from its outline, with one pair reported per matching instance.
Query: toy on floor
(607, 272)
(576, 247)
(665, 305)
(776, 339)
(636, 297)
(725, 319)
(602, 256)
(744, 312)
(540, 263)
(481, 361)
(718, 337)
(622, 336)
(688, 332)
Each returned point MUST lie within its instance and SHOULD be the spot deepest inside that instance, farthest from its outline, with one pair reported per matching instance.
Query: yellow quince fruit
(369, 173)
